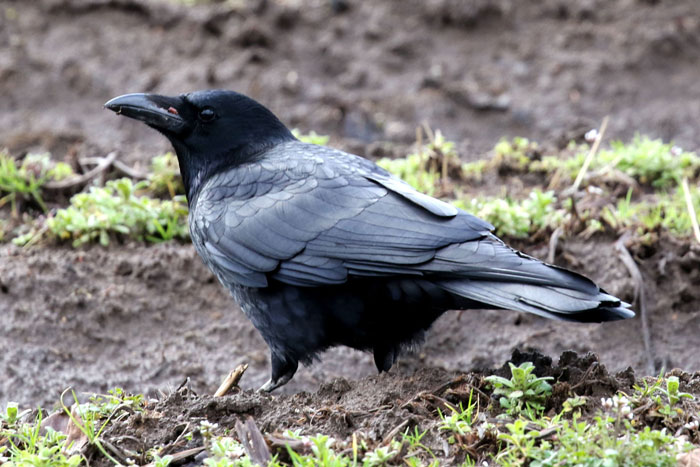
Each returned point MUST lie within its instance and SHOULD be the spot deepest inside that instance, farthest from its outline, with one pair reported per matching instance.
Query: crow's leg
(384, 358)
(282, 372)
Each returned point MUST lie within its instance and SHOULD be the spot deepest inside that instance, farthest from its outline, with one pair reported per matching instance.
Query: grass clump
(28, 447)
(36, 443)
(514, 218)
(516, 153)
(428, 169)
(649, 161)
(666, 211)
(604, 441)
(412, 169)
(24, 181)
(117, 208)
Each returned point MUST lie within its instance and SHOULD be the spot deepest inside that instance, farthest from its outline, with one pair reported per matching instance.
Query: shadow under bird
(323, 248)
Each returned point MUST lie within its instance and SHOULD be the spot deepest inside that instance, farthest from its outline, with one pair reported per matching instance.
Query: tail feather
(546, 301)
(492, 273)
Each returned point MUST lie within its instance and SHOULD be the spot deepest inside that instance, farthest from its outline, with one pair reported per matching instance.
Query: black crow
(323, 248)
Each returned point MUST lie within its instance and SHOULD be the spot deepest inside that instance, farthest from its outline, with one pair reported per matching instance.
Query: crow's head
(210, 130)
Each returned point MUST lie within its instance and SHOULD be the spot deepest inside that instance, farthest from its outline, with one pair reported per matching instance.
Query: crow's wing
(309, 215)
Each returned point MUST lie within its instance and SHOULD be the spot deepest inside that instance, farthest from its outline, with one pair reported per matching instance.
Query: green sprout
(523, 392)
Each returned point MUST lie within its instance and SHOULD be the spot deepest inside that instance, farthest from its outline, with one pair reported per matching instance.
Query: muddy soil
(147, 317)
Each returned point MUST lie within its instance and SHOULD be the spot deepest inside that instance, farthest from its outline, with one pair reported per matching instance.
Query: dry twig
(639, 296)
(118, 165)
(253, 441)
(104, 164)
(179, 456)
(231, 380)
(589, 158)
(691, 209)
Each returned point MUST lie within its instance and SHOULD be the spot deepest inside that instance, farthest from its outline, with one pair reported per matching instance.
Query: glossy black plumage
(323, 248)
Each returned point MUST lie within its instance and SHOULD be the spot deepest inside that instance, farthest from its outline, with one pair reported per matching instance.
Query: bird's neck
(196, 169)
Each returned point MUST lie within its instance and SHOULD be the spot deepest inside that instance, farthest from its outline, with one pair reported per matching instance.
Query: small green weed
(523, 392)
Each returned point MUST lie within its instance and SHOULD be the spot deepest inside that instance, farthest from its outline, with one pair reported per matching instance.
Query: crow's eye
(207, 115)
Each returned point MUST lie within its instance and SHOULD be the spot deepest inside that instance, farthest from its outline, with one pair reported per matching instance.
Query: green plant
(523, 392)
(226, 451)
(603, 441)
(517, 218)
(116, 208)
(104, 405)
(459, 421)
(428, 166)
(650, 161)
(475, 169)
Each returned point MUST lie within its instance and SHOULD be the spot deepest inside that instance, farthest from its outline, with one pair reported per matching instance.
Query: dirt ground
(147, 317)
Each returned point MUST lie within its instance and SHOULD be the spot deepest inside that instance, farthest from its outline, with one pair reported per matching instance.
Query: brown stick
(231, 380)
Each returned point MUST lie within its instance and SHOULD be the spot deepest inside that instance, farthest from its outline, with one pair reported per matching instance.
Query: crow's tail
(507, 279)
(548, 301)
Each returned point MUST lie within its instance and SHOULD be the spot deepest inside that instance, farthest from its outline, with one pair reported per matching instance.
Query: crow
(322, 248)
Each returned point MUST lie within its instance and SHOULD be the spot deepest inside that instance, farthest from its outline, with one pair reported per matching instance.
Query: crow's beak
(159, 112)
